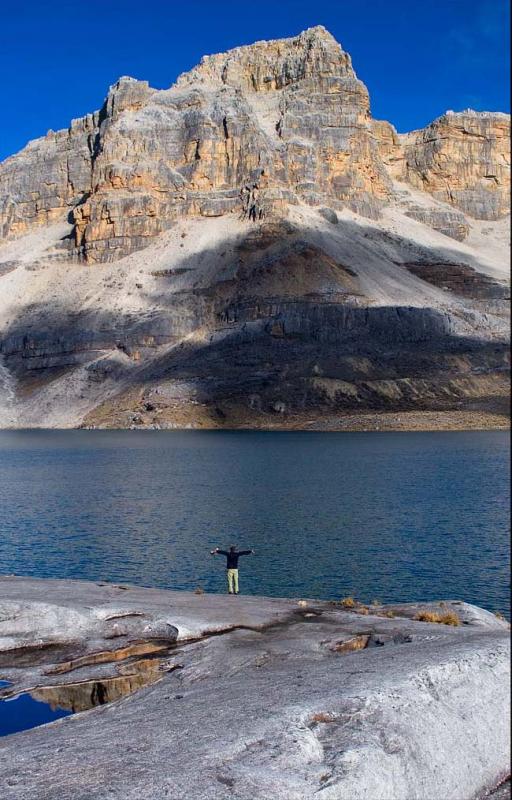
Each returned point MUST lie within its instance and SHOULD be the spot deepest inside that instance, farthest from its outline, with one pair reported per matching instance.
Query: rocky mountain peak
(127, 94)
(269, 65)
(258, 246)
(288, 114)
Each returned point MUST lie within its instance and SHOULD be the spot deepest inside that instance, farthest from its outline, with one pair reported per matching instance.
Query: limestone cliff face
(50, 176)
(289, 115)
(463, 159)
(390, 148)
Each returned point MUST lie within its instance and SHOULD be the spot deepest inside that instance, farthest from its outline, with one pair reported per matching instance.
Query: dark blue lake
(387, 516)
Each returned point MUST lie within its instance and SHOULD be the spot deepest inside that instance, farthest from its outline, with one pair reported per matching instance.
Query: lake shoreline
(407, 421)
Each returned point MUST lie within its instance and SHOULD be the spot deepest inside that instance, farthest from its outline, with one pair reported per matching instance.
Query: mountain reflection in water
(48, 703)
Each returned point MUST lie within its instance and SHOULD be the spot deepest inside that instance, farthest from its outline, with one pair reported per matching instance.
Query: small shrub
(376, 603)
(362, 610)
(499, 615)
(389, 613)
(450, 618)
(427, 616)
(198, 590)
(348, 602)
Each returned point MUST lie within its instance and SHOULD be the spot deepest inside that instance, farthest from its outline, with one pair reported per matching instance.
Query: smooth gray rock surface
(270, 702)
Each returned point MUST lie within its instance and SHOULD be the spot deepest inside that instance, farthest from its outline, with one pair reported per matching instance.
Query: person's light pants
(233, 581)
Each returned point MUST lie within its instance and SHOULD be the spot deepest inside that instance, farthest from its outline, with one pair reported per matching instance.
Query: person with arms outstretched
(232, 556)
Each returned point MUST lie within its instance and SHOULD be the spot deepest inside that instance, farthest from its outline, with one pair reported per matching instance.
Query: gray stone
(329, 215)
(450, 223)
(281, 701)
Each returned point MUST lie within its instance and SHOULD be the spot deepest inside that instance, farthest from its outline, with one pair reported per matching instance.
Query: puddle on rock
(87, 694)
(23, 712)
(43, 704)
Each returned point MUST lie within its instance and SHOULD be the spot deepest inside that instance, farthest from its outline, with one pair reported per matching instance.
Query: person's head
(232, 548)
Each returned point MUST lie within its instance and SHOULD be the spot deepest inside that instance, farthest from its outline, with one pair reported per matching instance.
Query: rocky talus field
(250, 248)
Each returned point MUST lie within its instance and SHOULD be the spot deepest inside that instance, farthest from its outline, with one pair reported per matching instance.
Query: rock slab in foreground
(278, 703)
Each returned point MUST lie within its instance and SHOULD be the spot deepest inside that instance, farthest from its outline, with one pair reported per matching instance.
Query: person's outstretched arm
(246, 552)
(218, 552)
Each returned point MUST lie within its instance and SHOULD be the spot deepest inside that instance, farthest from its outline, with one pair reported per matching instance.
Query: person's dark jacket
(233, 556)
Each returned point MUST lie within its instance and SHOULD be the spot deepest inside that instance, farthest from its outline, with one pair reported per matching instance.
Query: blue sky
(417, 57)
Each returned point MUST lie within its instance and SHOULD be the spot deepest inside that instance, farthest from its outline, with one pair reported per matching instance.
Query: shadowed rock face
(274, 328)
(251, 239)
(460, 279)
